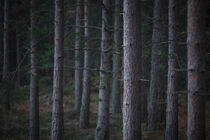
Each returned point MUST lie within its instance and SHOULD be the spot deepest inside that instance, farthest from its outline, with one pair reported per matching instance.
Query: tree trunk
(57, 114)
(34, 83)
(173, 76)
(84, 112)
(144, 75)
(157, 104)
(132, 70)
(78, 54)
(116, 108)
(5, 75)
(102, 129)
(196, 69)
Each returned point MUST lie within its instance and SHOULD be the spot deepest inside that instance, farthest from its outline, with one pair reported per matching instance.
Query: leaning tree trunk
(116, 108)
(196, 69)
(78, 54)
(173, 75)
(132, 70)
(157, 103)
(57, 113)
(5, 74)
(102, 129)
(84, 112)
(34, 84)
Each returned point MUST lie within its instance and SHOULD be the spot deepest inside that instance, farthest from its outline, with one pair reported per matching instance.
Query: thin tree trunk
(84, 112)
(102, 129)
(116, 108)
(132, 70)
(196, 69)
(5, 75)
(157, 103)
(173, 76)
(34, 83)
(57, 114)
(78, 54)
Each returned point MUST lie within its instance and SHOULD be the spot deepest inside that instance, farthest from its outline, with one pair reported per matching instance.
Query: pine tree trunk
(144, 75)
(5, 74)
(78, 54)
(196, 69)
(157, 102)
(57, 113)
(102, 129)
(132, 70)
(34, 83)
(173, 76)
(84, 112)
(116, 108)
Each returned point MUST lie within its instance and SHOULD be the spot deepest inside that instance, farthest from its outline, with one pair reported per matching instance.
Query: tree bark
(173, 76)
(144, 84)
(196, 69)
(34, 83)
(102, 129)
(84, 112)
(57, 114)
(132, 70)
(116, 108)
(5, 74)
(157, 104)
(78, 54)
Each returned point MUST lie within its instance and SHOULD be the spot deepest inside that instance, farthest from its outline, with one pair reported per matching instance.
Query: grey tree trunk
(173, 75)
(132, 70)
(78, 54)
(5, 74)
(34, 83)
(57, 113)
(196, 42)
(116, 108)
(102, 129)
(84, 112)
(145, 68)
(157, 102)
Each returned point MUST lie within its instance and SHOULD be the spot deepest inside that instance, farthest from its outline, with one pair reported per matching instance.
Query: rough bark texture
(116, 108)
(196, 69)
(157, 103)
(5, 74)
(34, 84)
(78, 54)
(84, 111)
(173, 75)
(144, 75)
(102, 129)
(57, 113)
(132, 70)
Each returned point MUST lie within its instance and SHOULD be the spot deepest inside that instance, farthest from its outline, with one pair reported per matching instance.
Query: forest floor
(14, 124)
